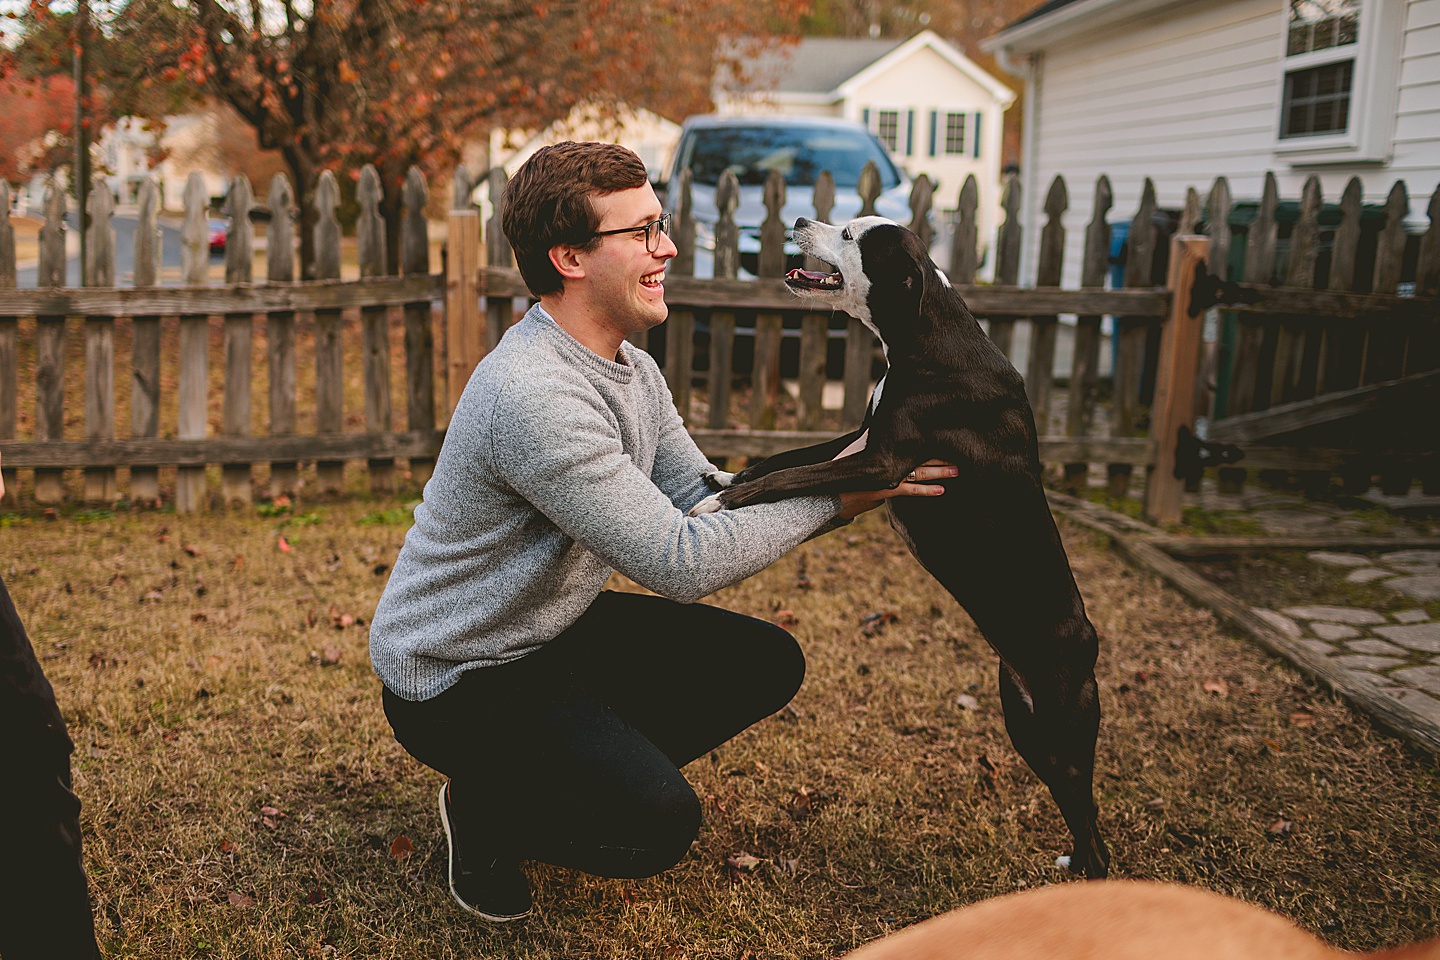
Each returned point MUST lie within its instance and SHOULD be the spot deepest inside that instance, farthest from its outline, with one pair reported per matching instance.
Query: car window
(799, 154)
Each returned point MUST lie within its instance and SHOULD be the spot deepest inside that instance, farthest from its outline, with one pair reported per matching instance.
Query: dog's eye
(845, 234)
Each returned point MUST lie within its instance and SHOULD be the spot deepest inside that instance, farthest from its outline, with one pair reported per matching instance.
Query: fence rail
(302, 371)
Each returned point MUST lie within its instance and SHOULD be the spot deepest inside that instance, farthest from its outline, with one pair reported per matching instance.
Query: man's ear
(563, 258)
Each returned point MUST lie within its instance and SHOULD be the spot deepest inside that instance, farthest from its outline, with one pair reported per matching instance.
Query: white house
(1184, 92)
(937, 111)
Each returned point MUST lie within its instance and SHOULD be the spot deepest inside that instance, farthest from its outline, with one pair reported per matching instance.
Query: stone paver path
(1399, 652)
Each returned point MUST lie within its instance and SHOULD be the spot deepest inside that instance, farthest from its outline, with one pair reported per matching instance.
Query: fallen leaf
(283, 544)
(241, 900)
(237, 562)
(281, 501)
(401, 847)
(800, 805)
(1279, 827)
(872, 623)
(741, 863)
(151, 596)
(198, 618)
(340, 620)
(193, 551)
(1302, 718)
(270, 811)
(226, 846)
(786, 618)
(967, 702)
(1218, 687)
(329, 655)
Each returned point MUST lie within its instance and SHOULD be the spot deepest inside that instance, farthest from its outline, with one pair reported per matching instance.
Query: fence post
(464, 330)
(765, 373)
(1175, 379)
(9, 328)
(100, 341)
(419, 332)
(194, 344)
(145, 346)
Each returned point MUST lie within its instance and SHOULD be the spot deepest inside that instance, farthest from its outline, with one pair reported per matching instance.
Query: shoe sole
(450, 871)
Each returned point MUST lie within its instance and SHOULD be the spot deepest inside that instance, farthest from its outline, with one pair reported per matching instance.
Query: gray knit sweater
(558, 467)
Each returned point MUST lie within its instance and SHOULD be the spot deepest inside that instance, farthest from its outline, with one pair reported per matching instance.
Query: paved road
(124, 255)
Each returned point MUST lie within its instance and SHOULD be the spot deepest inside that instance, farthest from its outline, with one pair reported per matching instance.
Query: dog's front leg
(870, 469)
(815, 453)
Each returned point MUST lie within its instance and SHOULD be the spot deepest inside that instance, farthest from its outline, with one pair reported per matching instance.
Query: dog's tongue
(810, 278)
(811, 275)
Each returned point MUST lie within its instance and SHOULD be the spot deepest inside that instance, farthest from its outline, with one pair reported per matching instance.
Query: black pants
(571, 754)
(44, 899)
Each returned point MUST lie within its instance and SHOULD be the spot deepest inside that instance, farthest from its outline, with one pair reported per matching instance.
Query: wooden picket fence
(1335, 349)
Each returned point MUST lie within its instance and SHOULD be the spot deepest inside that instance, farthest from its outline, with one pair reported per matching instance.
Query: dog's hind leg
(1052, 718)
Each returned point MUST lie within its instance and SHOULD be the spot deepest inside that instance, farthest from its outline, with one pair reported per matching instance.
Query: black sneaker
(493, 888)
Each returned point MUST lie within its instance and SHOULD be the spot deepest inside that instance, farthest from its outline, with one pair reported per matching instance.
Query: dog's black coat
(990, 540)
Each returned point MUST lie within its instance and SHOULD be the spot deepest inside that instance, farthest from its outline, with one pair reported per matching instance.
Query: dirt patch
(243, 797)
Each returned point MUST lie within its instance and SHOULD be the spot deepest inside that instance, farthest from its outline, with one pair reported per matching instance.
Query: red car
(218, 231)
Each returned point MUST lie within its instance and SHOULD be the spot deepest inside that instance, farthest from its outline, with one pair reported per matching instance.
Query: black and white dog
(951, 395)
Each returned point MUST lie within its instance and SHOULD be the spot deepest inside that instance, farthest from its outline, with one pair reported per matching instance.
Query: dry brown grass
(193, 659)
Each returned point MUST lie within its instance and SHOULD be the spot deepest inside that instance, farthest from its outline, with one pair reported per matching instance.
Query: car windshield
(798, 153)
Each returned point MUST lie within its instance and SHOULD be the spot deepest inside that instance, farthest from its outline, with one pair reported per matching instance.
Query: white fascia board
(1003, 95)
(1083, 15)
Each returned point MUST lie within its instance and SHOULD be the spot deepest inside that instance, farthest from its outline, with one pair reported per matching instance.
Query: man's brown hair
(548, 202)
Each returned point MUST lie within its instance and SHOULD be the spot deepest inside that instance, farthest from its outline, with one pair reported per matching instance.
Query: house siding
(1189, 93)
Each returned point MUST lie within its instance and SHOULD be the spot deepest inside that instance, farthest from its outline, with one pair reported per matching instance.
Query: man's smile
(653, 279)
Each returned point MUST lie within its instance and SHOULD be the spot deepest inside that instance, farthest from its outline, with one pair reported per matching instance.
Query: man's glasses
(652, 231)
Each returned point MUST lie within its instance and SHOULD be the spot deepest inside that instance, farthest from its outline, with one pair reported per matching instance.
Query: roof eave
(1025, 38)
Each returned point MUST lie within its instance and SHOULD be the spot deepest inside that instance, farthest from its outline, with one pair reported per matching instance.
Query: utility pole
(82, 135)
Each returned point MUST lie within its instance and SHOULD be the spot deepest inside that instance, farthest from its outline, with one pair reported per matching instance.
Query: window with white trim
(1339, 76)
(954, 133)
(887, 128)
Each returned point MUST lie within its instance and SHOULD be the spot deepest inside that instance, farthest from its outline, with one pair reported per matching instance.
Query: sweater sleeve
(560, 449)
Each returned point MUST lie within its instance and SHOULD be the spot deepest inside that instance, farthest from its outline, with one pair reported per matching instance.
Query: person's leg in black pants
(571, 755)
(44, 898)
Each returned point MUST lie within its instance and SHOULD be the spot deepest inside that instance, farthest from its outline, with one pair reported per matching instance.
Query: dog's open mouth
(813, 280)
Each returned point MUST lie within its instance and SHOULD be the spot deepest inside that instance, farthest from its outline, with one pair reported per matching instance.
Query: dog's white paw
(1062, 863)
(710, 504)
(719, 479)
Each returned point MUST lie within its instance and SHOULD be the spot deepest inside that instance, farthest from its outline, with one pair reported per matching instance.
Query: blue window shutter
(976, 132)
(910, 133)
(934, 121)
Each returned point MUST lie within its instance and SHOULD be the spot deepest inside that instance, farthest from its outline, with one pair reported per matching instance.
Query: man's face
(624, 282)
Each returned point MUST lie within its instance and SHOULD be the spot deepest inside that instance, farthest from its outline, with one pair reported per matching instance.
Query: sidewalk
(1385, 661)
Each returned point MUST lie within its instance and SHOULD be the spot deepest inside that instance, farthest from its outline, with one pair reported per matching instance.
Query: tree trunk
(304, 175)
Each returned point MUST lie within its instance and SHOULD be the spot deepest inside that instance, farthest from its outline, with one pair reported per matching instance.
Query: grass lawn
(243, 797)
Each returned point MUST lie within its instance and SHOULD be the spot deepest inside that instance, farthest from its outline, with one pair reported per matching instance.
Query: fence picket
(1386, 345)
(1040, 375)
(921, 199)
(465, 332)
(1250, 380)
(1297, 362)
(499, 311)
(280, 330)
(1344, 343)
(765, 373)
(680, 327)
(419, 320)
(1425, 343)
(9, 360)
(964, 246)
(1131, 334)
(329, 352)
(50, 345)
(194, 344)
(100, 342)
(1085, 364)
(239, 336)
(1007, 260)
(815, 327)
(722, 322)
(375, 324)
(145, 345)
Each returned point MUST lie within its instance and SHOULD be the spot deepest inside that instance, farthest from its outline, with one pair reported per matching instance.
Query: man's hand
(915, 485)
